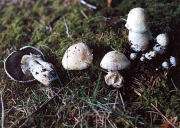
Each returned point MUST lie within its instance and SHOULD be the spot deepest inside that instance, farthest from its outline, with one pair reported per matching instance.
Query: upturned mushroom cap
(139, 41)
(115, 79)
(12, 64)
(77, 57)
(114, 61)
(162, 39)
(136, 20)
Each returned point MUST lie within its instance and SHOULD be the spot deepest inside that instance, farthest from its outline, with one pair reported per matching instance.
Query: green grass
(81, 98)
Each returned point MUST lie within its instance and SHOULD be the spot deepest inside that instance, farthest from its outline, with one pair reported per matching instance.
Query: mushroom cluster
(27, 64)
(139, 34)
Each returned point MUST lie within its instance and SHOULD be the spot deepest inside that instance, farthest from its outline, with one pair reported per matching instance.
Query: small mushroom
(139, 41)
(162, 39)
(77, 57)
(150, 55)
(142, 58)
(133, 56)
(159, 49)
(162, 42)
(172, 60)
(165, 65)
(114, 61)
(136, 20)
(27, 65)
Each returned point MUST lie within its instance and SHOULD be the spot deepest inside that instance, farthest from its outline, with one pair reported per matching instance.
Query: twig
(174, 84)
(67, 30)
(122, 101)
(123, 19)
(113, 48)
(82, 12)
(87, 4)
(2, 107)
(163, 116)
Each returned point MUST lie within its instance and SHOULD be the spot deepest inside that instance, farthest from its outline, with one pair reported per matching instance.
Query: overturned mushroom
(27, 65)
(136, 20)
(114, 61)
(77, 57)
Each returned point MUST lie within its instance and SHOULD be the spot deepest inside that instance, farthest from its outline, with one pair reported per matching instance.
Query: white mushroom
(173, 61)
(150, 55)
(142, 57)
(136, 20)
(162, 42)
(162, 39)
(159, 49)
(139, 41)
(114, 61)
(165, 65)
(77, 57)
(133, 56)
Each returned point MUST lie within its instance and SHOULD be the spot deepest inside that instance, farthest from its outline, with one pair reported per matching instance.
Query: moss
(42, 22)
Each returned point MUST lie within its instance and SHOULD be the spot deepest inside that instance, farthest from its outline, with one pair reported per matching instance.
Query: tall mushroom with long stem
(27, 64)
(139, 34)
(114, 61)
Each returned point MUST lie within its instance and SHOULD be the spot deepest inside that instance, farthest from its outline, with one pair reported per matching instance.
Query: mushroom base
(115, 79)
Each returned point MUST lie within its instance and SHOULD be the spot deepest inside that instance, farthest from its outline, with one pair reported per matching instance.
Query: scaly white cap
(114, 61)
(136, 20)
(77, 57)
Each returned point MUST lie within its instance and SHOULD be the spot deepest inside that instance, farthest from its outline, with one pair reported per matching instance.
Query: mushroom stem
(41, 70)
(114, 78)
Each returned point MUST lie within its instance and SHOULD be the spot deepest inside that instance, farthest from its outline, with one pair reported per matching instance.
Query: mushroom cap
(162, 39)
(12, 64)
(114, 61)
(139, 41)
(136, 20)
(77, 57)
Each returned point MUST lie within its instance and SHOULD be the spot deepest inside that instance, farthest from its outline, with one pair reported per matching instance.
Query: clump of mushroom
(139, 34)
(77, 57)
(27, 64)
(114, 61)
